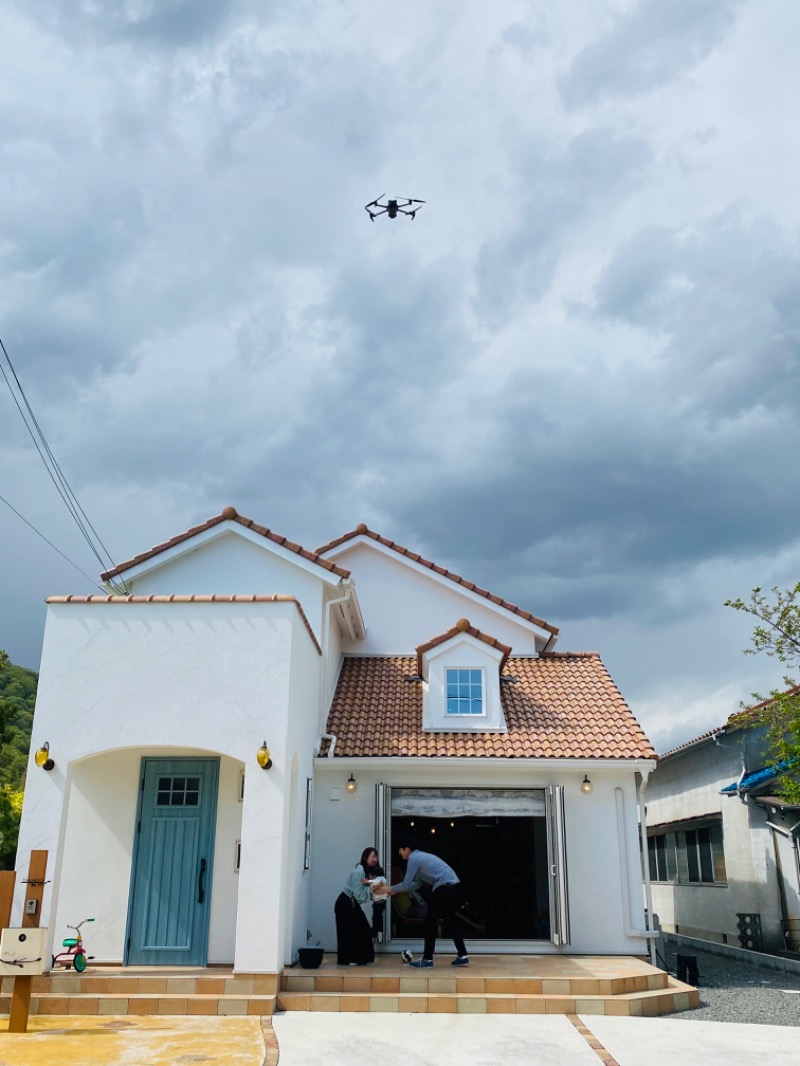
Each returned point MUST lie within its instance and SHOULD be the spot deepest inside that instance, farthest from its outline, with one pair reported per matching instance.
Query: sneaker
(421, 964)
(406, 956)
(460, 960)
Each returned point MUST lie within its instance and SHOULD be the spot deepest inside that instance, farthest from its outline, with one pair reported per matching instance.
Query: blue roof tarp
(757, 777)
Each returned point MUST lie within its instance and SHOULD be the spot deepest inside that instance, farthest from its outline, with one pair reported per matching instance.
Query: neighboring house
(389, 691)
(722, 846)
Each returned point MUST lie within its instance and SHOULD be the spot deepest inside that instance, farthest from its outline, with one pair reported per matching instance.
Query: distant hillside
(17, 698)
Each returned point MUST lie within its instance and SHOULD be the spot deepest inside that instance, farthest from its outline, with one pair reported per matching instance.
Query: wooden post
(21, 996)
(7, 881)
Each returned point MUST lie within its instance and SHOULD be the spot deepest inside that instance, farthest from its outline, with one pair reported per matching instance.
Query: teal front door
(172, 864)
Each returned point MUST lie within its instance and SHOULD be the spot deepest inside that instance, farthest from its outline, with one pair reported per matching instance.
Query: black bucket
(310, 958)
(686, 970)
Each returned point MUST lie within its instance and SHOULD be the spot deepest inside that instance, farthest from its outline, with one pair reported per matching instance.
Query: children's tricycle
(74, 954)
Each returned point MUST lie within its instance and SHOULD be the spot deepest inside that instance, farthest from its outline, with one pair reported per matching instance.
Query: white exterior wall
(231, 564)
(344, 826)
(122, 680)
(302, 736)
(688, 786)
(404, 607)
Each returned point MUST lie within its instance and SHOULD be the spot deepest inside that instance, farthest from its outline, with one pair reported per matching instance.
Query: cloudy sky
(574, 377)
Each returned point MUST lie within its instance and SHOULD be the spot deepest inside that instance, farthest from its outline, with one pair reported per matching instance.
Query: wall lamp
(263, 757)
(351, 784)
(42, 757)
(586, 785)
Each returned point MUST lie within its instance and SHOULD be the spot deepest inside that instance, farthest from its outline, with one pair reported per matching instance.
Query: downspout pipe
(624, 873)
(326, 642)
(332, 739)
(791, 833)
(743, 756)
(648, 885)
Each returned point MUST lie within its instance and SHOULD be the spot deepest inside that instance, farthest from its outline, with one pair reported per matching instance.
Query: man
(424, 868)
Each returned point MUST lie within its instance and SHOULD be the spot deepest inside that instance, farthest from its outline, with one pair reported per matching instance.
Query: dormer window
(460, 672)
(465, 692)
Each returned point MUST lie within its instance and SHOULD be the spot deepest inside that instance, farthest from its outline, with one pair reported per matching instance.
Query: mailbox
(22, 951)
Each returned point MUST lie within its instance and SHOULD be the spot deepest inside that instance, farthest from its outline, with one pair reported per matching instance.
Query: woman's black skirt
(353, 933)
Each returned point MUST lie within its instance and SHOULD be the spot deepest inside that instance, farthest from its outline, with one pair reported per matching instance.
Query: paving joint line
(602, 1053)
(271, 1049)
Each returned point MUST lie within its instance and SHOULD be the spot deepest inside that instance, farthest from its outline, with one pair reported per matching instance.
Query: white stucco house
(388, 690)
(722, 844)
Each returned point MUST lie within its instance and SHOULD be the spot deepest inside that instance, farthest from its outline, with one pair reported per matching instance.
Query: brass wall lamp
(42, 757)
(263, 757)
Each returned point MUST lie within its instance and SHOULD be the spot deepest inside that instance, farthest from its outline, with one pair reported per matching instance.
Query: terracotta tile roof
(563, 705)
(193, 598)
(362, 531)
(462, 626)
(227, 515)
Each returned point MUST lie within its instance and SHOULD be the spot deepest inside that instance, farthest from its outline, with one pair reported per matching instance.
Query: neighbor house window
(691, 854)
(465, 692)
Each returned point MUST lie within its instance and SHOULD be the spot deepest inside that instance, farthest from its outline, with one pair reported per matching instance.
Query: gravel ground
(734, 991)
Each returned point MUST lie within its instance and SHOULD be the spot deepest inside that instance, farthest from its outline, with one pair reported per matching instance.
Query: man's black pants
(442, 908)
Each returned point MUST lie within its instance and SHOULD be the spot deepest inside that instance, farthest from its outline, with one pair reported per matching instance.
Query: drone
(392, 208)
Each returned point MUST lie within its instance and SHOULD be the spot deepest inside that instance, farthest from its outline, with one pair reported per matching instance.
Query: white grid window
(464, 692)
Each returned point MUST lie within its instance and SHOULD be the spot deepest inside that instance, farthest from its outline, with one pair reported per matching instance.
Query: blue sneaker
(460, 960)
(421, 964)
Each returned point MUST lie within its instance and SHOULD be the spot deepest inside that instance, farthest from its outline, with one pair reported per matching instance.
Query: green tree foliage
(777, 634)
(17, 699)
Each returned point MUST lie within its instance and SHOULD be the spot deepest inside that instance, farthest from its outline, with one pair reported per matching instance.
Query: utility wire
(55, 472)
(44, 538)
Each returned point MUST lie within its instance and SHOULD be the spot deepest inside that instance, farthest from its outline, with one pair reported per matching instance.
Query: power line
(44, 538)
(54, 471)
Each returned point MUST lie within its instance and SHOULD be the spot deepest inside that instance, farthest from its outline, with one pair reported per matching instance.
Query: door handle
(201, 895)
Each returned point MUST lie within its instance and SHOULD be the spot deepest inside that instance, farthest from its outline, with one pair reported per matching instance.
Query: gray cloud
(552, 195)
(647, 47)
(165, 23)
(572, 379)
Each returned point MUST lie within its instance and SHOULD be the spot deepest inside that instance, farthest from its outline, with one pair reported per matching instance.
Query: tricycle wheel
(53, 962)
(79, 962)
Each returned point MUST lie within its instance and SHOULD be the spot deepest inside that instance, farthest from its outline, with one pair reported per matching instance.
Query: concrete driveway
(311, 1039)
(308, 1039)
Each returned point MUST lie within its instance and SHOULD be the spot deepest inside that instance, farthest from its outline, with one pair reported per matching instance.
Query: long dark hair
(377, 871)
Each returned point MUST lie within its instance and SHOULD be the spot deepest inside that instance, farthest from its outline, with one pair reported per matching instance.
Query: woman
(353, 933)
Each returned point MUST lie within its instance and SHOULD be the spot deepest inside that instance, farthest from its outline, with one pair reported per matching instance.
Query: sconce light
(586, 785)
(263, 757)
(42, 757)
(351, 784)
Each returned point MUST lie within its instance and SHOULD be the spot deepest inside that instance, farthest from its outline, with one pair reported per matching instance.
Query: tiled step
(120, 991)
(492, 984)
(443, 980)
(676, 997)
(142, 1003)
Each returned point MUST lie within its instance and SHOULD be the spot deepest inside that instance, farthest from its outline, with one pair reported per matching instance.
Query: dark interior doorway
(502, 864)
